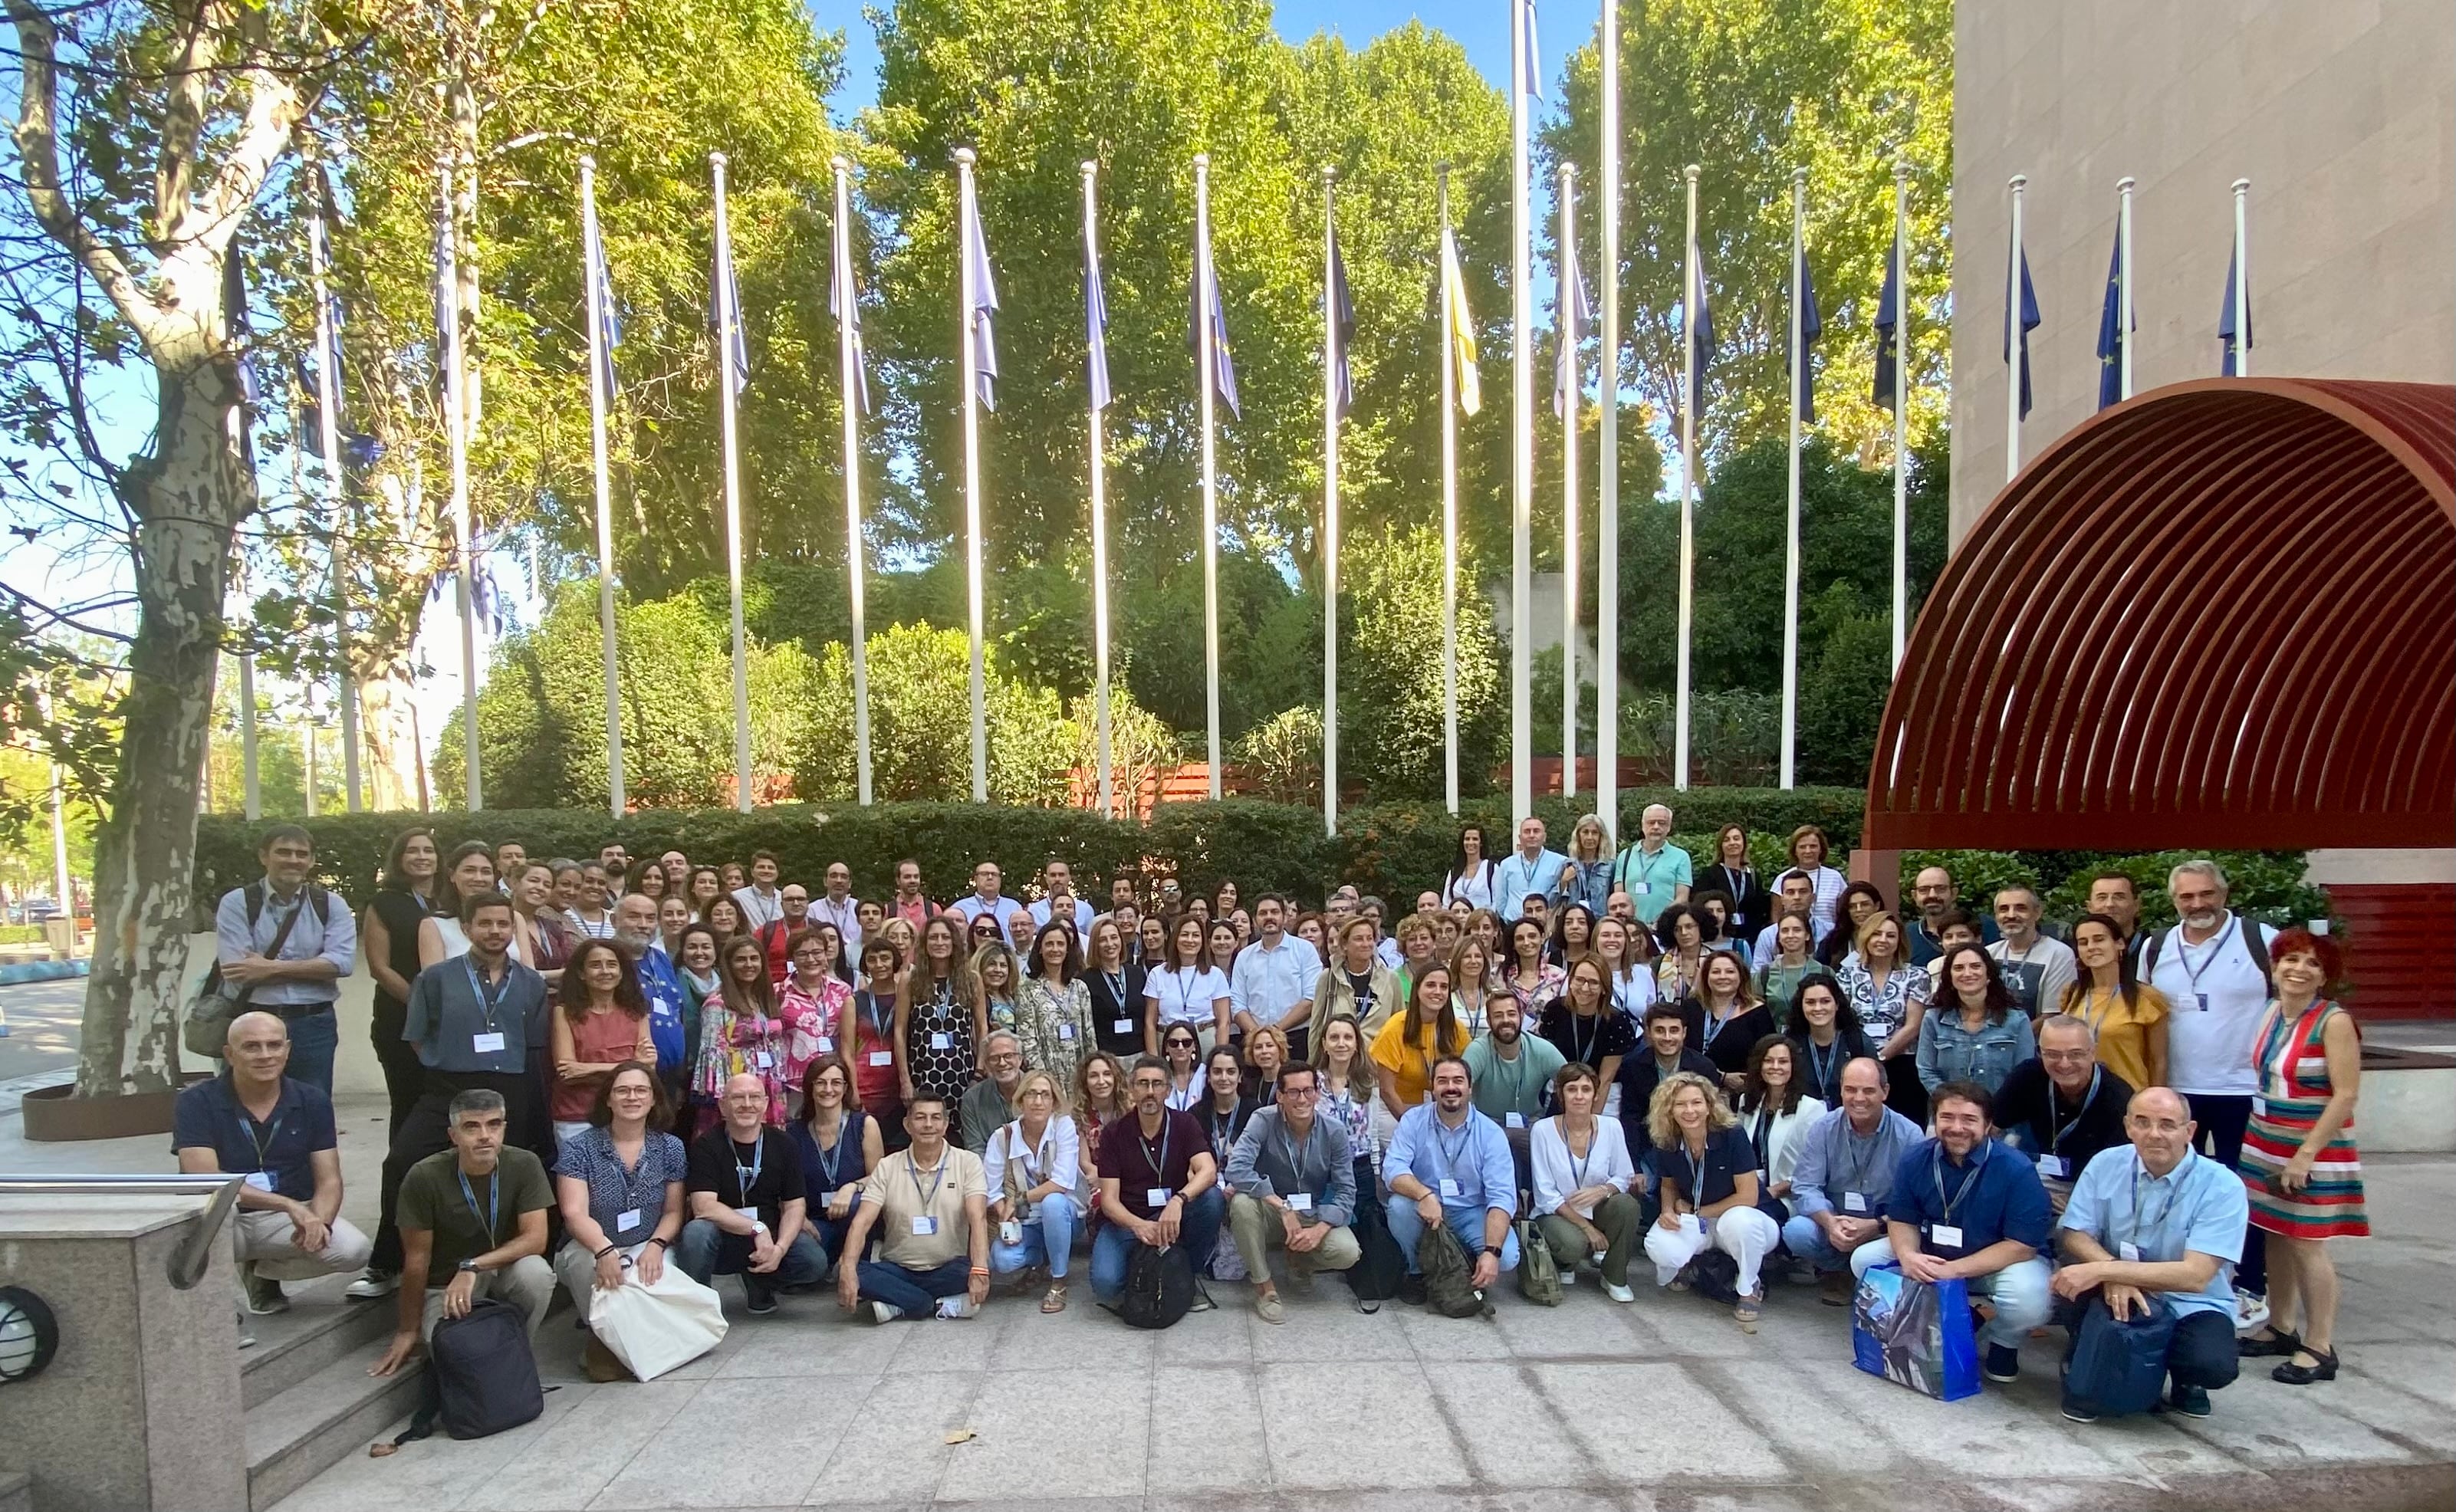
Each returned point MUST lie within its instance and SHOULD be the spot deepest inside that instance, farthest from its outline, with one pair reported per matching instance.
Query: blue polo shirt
(1995, 1194)
(2200, 1205)
(208, 1117)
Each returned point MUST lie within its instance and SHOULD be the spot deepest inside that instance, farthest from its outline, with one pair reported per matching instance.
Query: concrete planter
(57, 1114)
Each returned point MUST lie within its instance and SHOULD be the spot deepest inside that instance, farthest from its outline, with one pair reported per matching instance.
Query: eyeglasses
(1298, 1093)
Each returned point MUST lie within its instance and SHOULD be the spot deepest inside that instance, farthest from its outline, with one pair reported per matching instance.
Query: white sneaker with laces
(2249, 1312)
(956, 1306)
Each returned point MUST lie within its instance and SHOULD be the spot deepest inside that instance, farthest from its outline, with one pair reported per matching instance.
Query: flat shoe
(1054, 1301)
(2280, 1343)
(2291, 1374)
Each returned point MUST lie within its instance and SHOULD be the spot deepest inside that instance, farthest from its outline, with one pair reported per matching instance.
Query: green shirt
(1504, 1087)
(431, 1198)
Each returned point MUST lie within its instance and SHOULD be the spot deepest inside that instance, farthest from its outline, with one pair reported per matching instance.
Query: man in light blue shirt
(1450, 1164)
(985, 898)
(299, 982)
(1838, 1189)
(2154, 1221)
(1273, 980)
(1528, 869)
(1057, 900)
(1654, 873)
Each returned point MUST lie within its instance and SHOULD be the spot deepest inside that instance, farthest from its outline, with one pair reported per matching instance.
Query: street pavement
(42, 1019)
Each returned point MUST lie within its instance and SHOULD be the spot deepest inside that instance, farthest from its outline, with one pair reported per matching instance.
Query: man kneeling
(1449, 1164)
(2154, 1223)
(931, 1201)
(1295, 1185)
(748, 1205)
(1160, 1185)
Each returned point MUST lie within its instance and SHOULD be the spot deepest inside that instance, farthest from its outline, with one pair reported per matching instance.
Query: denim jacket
(1586, 882)
(1950, 1052)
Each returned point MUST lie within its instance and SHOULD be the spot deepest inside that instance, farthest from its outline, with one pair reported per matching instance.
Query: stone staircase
(309, 1399)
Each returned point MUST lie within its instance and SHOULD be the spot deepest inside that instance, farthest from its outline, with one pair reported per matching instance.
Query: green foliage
(1390, 711)
(1282, 757)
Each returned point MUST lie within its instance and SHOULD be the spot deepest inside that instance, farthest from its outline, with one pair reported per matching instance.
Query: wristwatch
(468, 1267)
(1493, 1250)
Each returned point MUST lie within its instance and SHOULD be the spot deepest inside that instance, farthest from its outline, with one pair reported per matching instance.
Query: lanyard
(1697, 1167)
(487, 1002)
(1116, 981)
(1714, 1028)
(829, 1161)
(1823, 1067)
(1937, 1169)
(1579, 1045)
(1757, 1137)
(1578, 1166)
(1516, 1075)
(877, 1013)
(2056, 1131)
(1450, 1157)
(2174, 1183)
(1296, 1158)
(744, 1177)
(1160, 1165)
(494, 1200)
(938, 1178)
(1857, 1180)
(1223, 1137)
(2217, 943)
(271, 1136)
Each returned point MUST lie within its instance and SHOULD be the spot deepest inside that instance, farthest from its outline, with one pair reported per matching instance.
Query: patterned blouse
(615, 1192)
(1053, 1020)
(813, 1022)
(1353, 1110)
(1881, 1010)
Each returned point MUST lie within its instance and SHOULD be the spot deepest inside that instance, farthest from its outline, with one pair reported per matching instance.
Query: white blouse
(1783, 1135)
(1557, 1175)
(1185, 996)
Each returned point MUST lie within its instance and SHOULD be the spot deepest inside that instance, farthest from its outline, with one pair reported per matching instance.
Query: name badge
(882, 1057)
(942, 1041)
(924, 1225)
(626, 1220)
(2055, 1168)
(1854, 1202)
(826, 1045)
(488, 1044)
(1449, 1187)
(1065, 1032)
(2203, 998)
(2128, 1252)
(1121, 1026)
(752, 1214)
(1155, 1197)
(1300, 1201)
(261, 1181)
(1513, 1120)
(1945, 1234)
(762, 1059)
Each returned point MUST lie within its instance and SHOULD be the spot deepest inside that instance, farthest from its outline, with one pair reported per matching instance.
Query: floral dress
(718, 1058)
(1000, 1013)
(939, 1055)
(1354, 1113)
(759, 1043)
(813, 1022)
(1053, 1020)
(1882, 1009)
(1549, 983)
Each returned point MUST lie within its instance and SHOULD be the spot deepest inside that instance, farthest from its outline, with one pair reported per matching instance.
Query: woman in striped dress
(2299, 1160)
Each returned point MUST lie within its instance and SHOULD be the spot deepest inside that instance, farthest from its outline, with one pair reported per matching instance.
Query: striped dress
(2293, 1066)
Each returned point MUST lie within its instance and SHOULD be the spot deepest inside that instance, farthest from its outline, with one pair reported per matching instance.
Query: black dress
(938, 1050)
(402, 912)
(1117, 997)
(1751, 905)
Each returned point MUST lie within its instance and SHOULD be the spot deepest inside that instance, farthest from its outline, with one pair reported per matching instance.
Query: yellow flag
(1470, 386)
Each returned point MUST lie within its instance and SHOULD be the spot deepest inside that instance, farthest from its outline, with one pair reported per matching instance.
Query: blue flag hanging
(2112, 337)
(1222, 375)
(2028, 321)
(1344, 317)
(2233, 340)
(1697, 315)
(844, 302)
(1889, 316)
(1533, 81)
(985, 299)
(1812, 325)
(1095, 322)
(724, 317)
(1571, 319)
(600, 294)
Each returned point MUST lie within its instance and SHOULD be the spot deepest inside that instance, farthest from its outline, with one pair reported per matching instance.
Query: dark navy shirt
(208, 1117)
(1702, 1184)
(1995, 1195)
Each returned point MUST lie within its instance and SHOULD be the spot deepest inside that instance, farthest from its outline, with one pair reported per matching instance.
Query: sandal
(2323, 1368)
(2280, 1342)
(1748, 1310)
(1054, 1301)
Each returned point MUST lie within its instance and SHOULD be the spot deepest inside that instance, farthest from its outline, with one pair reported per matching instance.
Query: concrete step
(297, 1433)
(321, 1327)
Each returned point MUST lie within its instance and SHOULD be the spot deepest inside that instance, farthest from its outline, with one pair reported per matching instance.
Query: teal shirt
(1651, 880)
(1504, 1087)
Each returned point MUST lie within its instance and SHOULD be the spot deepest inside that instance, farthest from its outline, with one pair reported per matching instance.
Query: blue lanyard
(1578, 1167)
(831, 1162)
(270, 1138)
(1158, 1167)
(487, 1002)
(1697, 1169)
(494, 1200)
(938, 1178)
(1822, 1067)
(2174, 1185)
(1935, 1163)
(1449, 1156)
(744, 1177)
(2056, 1135)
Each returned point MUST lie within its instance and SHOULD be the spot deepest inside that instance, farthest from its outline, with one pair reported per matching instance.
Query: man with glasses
(776, 935)
(748, 1206)
(2063, 1108)
(989, 1104)
(985, 898)
(2158, 1221)
(1160, 1185)
(1295, 1185)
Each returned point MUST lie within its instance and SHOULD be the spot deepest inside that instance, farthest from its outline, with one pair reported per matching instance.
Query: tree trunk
(188, 498)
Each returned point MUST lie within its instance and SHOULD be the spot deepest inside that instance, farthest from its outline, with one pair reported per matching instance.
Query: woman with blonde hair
(997, 978)
(1356, 983)
(1587, 877)
(1709, 1190)
(1031, 1169)
(1266, 1055)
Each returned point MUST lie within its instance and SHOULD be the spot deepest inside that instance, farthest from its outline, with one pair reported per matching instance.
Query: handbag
(655, 1327)
(2118, 1366)
(206, 1027)
(1538, 1274)
(1916, 1334)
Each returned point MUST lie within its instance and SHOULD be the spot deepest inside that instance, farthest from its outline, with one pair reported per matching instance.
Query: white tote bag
(655, 1329)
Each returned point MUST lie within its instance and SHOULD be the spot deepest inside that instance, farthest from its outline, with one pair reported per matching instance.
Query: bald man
(747, 1208)
(2154, 1221)
(278, 1131)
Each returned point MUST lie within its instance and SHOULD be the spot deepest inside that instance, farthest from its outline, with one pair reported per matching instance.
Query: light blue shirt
(972, 906)
(1269, 982)
(1835, 1160)
(334, 938)
(2198, 1206)
(1516, 876)
(1041, 913)
(1652, 880)
(1474, 1156)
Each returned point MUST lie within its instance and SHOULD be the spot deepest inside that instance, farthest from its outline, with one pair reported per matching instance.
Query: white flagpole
(1608, 442)
(456, 433)
(728, 322)
(2242, 278)
(1902, 405)
(307, 743)
(1790, 534)
(1449, 514)
(1522, 440)
(63, 886)
(598, 401)
(1689, 302)
(328, 401)
(849, 375)
(964, 160)
(1330, 507)
(1099, 528)
(251, 789)
(1567, 304)
(2124, 285)
(2013, 336)
(1204, 316)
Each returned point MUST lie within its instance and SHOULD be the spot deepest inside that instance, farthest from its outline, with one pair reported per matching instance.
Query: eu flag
(1222, 377)
(1697, 314)
(600, 294)
(724, 317)
(1889, 317)
(2112, 337)
(1344, 317)
(985, 301)
(2234, 341)
(2016, 331)
(1812, 325)
(1570, 321)
(1095, 318)
(844, 302)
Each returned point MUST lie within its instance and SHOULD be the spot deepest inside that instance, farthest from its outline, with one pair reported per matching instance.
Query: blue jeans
(1197, 1235)
(831, 1232)
(1047, 1239)
(914, 1293)
(706, 1251)
(314, 1038)
(1806, 1241)
(1407, 1227)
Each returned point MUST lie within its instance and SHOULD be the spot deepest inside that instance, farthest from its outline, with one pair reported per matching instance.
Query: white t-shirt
(1475, 886)
(2217, 999)
(1186, 996)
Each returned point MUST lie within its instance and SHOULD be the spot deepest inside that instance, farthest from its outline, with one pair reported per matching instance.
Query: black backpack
(1159, 1287)
(485, 1377)
(1449, 1279)
(1381, 1267)
(2254, 944)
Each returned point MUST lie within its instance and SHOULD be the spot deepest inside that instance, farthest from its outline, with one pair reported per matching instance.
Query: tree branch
(36, 135)
(183, 121)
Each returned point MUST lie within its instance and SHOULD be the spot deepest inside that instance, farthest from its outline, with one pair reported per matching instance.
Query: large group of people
(1605, 1053)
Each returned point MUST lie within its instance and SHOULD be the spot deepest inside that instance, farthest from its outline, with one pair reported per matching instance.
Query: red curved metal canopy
(2221, 614)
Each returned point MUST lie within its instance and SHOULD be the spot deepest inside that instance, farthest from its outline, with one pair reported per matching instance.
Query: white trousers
(264, 1236)
(1744, 1234)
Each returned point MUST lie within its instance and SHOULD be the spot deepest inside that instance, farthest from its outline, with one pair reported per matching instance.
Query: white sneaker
(1618, 1293)
(370, 1284)
(1569, 1277)
(957, 1306)
(885, 1314)
(2249, 1310)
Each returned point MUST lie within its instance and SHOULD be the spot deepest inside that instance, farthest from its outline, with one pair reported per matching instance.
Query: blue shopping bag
(1916, 1334)
(2117, 1367)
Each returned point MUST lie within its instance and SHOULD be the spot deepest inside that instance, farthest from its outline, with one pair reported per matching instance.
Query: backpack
(2252, 945)
(1714, 1275)
(1159, 1287)
(1539, 1275)
(206, 1026)
(1449, 1279)
(1381, 1267)
(485, 1376)
(2119, 1368)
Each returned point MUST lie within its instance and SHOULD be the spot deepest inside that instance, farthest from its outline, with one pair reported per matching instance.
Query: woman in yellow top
(2128, 1018)
(1406, 1046)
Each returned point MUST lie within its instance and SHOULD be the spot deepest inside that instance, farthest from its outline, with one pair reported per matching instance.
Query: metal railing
(194, 1254)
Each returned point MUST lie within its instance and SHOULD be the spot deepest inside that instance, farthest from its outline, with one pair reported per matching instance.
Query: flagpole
(1608, 442)
(2013, 336)
(598, 401)
(964, 160)
(328, 402)
(1330, 356)
(849, 380)
(1522, 444)
(729, 325)
(1571, 397)
(1688, 303)
(2242, 278)
(1204, 316)
(2123, 284)
(1791, 532)
(1449, 515)
(251, 787)
(1099, 528)
(457, 434)
(1901, 405)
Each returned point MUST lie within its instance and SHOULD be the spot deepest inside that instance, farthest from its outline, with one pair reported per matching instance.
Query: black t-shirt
(1591, 1041)
(1820, 1070)
(2030, 1112)
(1728, 1048)
(761, 1176)
(401, 911)
(1728, 1156)
(1116, 998)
